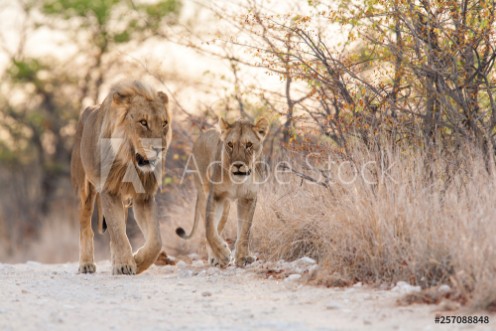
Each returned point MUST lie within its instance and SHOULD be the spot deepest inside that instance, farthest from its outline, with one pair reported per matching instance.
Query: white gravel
(35, 296)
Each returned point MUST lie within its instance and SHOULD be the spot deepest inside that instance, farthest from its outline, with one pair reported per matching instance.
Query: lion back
(77, 171)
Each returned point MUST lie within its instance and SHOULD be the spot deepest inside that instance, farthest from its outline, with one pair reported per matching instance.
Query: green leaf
(25, 71)
(122, 37)
(100, 9)
(163, 8)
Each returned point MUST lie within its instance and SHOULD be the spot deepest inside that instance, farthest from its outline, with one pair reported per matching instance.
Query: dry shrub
(286, 223)
(427, 218)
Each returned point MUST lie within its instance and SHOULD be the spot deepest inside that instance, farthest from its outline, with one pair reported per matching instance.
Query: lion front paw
(215, 262)
(244, 261)
(221, 258)
(124, 269)
(87, 268)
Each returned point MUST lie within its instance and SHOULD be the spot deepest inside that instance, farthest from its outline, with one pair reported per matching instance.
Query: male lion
(229, 166)
(117, 161)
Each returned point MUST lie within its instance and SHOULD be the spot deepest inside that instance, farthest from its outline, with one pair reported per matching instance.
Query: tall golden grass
(429, 220)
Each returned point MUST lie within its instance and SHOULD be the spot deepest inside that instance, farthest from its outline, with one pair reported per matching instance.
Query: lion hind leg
(86, 246)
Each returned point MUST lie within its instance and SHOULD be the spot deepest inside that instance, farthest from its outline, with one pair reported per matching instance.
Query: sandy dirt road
(36, 296)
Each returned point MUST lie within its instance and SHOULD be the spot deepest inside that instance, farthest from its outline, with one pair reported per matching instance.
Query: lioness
(229, 168)
(117, 161)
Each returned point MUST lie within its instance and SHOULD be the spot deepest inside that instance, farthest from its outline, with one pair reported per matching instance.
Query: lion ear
(120, 99)
(261, 127)
(223, 126)
(163, 97)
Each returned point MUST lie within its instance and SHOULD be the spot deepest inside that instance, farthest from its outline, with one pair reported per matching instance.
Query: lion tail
(180, 231)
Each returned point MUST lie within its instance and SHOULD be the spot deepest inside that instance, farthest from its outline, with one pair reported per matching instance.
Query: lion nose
(238, 165)
(158, 149)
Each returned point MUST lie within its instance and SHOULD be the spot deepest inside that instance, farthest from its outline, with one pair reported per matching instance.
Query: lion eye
(165, 123)
(249, 144)
(144, 123)
(230, 144)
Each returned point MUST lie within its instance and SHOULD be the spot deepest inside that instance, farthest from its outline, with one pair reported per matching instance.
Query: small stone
(405, 288)
(307, 260)
(185, 273)
(448, 305)
(197, 263)
(292, 277)
(206, 294)
(181, 264)
(333, 305)
(444, 289)
(313, 268)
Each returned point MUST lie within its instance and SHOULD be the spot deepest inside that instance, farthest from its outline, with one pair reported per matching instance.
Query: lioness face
(242, 145)
(147, 123)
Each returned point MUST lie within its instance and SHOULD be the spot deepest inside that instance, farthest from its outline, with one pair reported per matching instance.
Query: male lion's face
(242, 145)
(147, 126)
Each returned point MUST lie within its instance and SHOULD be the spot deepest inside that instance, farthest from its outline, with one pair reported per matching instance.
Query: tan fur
(215, 154)
(115, 160)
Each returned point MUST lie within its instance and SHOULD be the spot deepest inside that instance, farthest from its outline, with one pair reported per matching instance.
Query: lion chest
(236, 191)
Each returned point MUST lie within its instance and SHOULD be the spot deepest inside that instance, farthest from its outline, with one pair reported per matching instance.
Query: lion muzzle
(142, 161)
(240, 169)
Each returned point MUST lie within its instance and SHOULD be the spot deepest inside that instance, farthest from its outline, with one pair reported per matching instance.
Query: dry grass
(431, 221)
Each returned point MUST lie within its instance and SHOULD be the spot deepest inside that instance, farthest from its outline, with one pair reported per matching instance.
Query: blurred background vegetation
(400, 76)
(42, 94)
